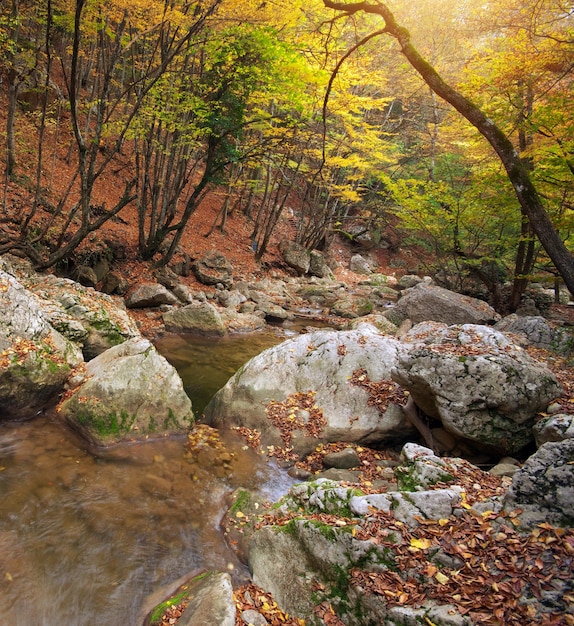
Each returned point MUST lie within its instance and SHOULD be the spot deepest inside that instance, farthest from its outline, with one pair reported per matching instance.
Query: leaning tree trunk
(516, 170)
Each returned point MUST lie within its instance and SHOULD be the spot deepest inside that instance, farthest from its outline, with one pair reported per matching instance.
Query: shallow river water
(85, 538)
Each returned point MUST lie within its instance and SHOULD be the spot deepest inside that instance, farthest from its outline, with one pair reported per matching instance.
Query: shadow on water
(84, 539)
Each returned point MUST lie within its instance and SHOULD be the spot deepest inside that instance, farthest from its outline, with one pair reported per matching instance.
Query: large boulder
(128, 393)
(296, 256)
(212, 269)
(476, 382)
(150, 295)
(318, 265)
(360, 265)
(537, 332)
(544, 488)
(425, 302)
(202, 318)
(317, 387)
(85, 316)
(35, 359)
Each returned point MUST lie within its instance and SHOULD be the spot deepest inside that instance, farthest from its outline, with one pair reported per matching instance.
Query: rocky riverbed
(409, 363)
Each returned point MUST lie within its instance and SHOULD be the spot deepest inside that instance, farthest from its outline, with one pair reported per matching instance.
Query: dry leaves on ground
(493, 566)
(252, 597)
(381, 393)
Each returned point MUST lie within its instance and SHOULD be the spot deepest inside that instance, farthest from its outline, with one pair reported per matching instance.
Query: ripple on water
(84, 539)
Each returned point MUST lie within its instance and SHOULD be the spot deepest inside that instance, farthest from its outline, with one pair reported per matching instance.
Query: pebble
(253, 618)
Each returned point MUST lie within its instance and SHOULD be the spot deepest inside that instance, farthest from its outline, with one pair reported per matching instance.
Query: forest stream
(85, 539)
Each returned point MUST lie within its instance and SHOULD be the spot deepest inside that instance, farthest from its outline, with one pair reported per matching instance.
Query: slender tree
(516, 169)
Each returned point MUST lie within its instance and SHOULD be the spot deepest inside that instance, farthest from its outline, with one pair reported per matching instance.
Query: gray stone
(231, 299)
(183, 293)
(211, 602)
(538, 332)
(380, 322)
(253, 618)
(36, 359)
(272, 311)
(70, 307)
(242, 322)
(202, 318)
(283, 563)
(345, 459)
(280, 565)
(352, 307)
(318, 265)
(431, 303)
(360, 265)
(408, 280)
(338, 475)
(321, 294)
(434, 504)
(554, 428)
(479, 385)
(420, 469)
(296, 256)
(149, 295)
(212, 269)
(544, 487)
(130, 392)
(503, 469)
(320, 363)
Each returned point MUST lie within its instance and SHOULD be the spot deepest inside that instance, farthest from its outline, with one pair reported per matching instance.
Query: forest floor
(200, 236)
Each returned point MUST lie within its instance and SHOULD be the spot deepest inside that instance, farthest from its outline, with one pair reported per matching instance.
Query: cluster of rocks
(470, 381)
(62, 341)
(312, 549)
(240, 305)
(392, 305)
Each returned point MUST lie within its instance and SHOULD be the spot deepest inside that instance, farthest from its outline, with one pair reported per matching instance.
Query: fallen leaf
(420, 544)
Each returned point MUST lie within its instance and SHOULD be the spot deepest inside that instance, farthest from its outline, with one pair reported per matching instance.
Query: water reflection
(84, 539)
(205, 364)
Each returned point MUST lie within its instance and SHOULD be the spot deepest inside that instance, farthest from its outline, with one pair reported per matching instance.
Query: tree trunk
(516, 170)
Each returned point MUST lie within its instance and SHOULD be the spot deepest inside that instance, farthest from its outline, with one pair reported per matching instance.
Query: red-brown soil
(17, 198)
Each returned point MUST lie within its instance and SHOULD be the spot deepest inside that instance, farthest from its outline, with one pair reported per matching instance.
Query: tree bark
(516, 170)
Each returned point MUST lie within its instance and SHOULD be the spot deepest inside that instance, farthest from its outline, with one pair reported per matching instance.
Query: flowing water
(85, 538)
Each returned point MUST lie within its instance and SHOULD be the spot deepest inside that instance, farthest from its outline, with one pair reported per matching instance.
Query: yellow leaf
(443, 522)
(441, 578)
(239, 514)
(420, 544)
